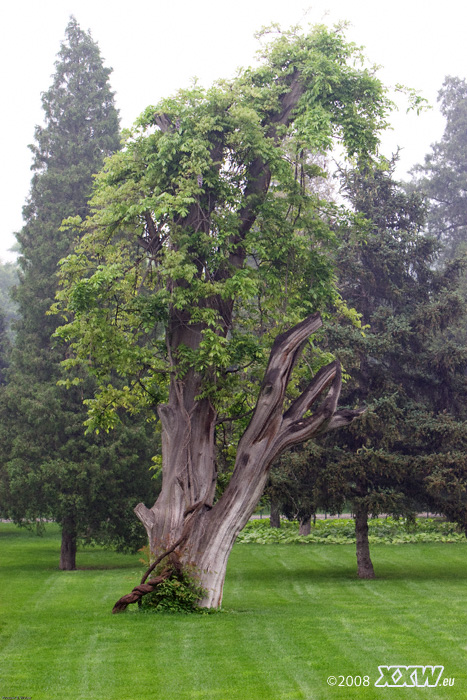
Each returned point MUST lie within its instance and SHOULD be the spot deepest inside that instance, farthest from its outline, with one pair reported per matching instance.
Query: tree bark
(275, 514)
(184, 510)
(305, 525)
(364, 564)
(185, 507)
(68, 548)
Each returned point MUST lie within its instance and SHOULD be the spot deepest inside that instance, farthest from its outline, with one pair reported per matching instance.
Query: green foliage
(408, 367)
(187, 262)
(442, 176)
(49, 468)
(180, 593)
(342, 531)
(8, 278)
(400, 366)
(441, 179)
(4, 348)
(81, 128)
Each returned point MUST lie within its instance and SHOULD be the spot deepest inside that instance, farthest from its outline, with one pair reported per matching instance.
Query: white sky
(156, 47)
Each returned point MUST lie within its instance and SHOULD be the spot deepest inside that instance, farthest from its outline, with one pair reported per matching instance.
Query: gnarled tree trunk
(184, 509)
(184, 512)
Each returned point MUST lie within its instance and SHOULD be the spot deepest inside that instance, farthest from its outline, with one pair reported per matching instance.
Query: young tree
(200, 275)
(51, 470)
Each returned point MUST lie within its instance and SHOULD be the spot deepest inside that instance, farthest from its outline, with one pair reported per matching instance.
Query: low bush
(178, 594)
(342, 531)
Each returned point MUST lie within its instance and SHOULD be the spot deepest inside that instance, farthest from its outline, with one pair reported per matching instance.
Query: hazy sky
(156, 47)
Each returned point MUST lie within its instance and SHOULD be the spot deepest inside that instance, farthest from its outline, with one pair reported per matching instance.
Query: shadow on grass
(108, 567)
(25, 532)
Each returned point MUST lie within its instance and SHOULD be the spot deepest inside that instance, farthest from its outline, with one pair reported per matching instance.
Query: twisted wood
(139, 591)
(146, 587)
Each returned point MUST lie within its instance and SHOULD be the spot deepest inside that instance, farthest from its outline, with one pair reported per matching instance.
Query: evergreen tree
(304, 482)
(8, 278)
(51, 469)
(3, 347)
(407, 367)
(442, 178)
(81, 128)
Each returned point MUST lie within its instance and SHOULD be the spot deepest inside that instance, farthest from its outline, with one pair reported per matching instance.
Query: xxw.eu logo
(411, 676)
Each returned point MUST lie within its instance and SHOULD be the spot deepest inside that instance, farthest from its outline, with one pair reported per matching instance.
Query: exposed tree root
(147, 587)
(143, 588)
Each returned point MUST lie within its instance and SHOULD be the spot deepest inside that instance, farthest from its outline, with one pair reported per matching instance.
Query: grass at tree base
(293, 616)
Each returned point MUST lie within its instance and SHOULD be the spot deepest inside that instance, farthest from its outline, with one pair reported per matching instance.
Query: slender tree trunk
(184, 511)
(275, 514)
(305, 525)
(364, 564)
(68, 548)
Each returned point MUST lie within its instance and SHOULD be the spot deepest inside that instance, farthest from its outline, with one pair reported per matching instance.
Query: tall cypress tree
(81, 128)
(52, 469)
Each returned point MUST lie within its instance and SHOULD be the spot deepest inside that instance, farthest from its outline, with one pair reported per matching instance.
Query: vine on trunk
(174, 568)
(139, 591)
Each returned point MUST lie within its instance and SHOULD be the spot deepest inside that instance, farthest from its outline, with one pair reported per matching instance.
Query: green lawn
(293, 616)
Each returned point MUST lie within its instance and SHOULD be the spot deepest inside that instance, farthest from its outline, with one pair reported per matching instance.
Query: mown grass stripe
(293, 616)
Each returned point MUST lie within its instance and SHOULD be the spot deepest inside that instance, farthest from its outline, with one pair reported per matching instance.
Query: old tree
(199, 278)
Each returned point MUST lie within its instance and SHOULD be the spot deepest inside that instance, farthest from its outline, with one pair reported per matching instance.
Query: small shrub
(178, 594)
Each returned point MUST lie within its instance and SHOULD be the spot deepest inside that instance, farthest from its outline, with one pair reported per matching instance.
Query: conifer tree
(407, 367)
(442, 178)
(81, 128)
(3, 347)
(8, 278)
(51, 469)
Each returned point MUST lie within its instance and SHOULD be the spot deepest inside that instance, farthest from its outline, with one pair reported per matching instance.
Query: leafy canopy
(207, 220)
